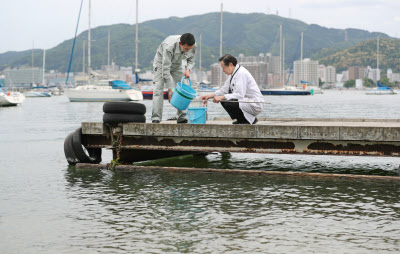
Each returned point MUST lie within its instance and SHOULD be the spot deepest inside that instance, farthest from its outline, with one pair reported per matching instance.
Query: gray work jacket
(169, 58)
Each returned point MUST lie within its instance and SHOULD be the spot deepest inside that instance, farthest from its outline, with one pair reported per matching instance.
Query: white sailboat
(379, 89)
(38, 91)
(97, 90)
(10, 98)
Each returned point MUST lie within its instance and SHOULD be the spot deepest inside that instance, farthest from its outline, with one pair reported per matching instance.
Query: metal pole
(33, 80)
(89, 64)
(220, 43)
(108, 54)
(137, 36)
(83, 58)
(44, 63)
(377, 54)
(280, 55)
(301, 58)
(201, 74)
(283, 62)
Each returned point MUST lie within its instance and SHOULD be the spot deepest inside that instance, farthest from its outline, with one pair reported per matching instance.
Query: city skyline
(47, 23)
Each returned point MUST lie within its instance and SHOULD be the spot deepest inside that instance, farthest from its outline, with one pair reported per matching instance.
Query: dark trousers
(234, 111)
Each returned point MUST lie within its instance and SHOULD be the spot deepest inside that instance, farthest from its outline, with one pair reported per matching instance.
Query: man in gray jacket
(173, 60)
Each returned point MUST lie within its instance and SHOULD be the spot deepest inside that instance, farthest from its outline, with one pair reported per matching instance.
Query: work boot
(184, 120)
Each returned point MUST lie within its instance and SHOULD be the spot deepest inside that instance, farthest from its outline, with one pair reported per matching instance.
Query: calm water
(47, 207)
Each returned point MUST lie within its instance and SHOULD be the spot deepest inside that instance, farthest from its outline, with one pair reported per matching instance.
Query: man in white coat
(240, 95)
(174, 54)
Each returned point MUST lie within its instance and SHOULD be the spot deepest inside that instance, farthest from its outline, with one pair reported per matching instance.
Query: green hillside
(364, 54)
(249, 34)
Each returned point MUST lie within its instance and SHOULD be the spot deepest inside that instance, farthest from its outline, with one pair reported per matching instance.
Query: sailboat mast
(283, 62)
(301, 50)
(377, 54)
(220, 35)
(137, 70)
(89, 65)
(201, 74)
(83, 58)
(280, 55)
(44, 63)
(220, 43)
(33, 80)
(108, 54)
(301, 58)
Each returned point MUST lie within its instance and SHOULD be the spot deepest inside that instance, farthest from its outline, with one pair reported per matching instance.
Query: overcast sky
(46, 23)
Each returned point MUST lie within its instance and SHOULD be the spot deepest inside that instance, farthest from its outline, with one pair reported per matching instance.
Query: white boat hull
(92, 93)
(380, 92)
(11, 98)
(37, 94)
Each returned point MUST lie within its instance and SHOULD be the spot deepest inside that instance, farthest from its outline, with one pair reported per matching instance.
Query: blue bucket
(197, 115)
(182, 95)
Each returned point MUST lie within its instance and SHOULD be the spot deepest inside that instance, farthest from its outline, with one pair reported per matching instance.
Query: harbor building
(374, 74)
(305, 70)
(356, 72)
(23, 78)
(259, 71)
(327, 74)
(215, 75)
(393, 77)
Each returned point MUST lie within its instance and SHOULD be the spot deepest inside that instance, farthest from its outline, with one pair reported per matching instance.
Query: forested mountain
(365, 54)
(249, 34)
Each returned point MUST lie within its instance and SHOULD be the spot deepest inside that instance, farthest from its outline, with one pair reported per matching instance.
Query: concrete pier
(144, 141)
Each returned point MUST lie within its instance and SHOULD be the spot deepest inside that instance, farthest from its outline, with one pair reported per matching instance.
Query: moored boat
(117, 90)
(10, 98)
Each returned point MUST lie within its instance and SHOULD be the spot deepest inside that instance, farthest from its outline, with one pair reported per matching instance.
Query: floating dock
(146, 141)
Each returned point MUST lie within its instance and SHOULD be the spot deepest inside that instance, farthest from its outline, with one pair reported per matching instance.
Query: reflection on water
(217, 213)
(46, 207)
(271, 162)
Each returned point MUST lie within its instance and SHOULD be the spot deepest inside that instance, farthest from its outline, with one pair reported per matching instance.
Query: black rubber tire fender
(124, 107)
(92, 156)
(123, 118)
(69, 151)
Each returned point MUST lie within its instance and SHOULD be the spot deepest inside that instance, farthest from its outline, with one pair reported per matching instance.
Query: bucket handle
(192, 119)
(188, 79)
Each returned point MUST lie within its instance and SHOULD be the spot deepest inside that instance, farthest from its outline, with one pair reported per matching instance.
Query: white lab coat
(244, 89)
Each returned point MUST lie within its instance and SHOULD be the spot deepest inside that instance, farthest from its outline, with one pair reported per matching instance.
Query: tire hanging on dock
(69, 151)
(75, 152)
(93, 155)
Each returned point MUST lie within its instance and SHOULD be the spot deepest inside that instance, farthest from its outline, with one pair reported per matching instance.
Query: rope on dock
(134, 168)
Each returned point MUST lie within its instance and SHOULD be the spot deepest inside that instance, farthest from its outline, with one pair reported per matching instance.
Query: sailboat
(38, 91)
(102, 90)
(379, 89)
(10, 98)
(285, 90)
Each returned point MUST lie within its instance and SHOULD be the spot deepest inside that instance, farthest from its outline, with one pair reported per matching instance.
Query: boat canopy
(138, 79)
(382, 87)
(119, 84)
(306, 82)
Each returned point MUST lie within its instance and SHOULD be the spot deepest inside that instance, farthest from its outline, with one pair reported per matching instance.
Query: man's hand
(217, 99)
(169, 95)
(206, 97)
(187, 73)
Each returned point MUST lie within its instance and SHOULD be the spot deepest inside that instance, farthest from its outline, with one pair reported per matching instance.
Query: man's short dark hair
(187, 39)
(228, 59)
